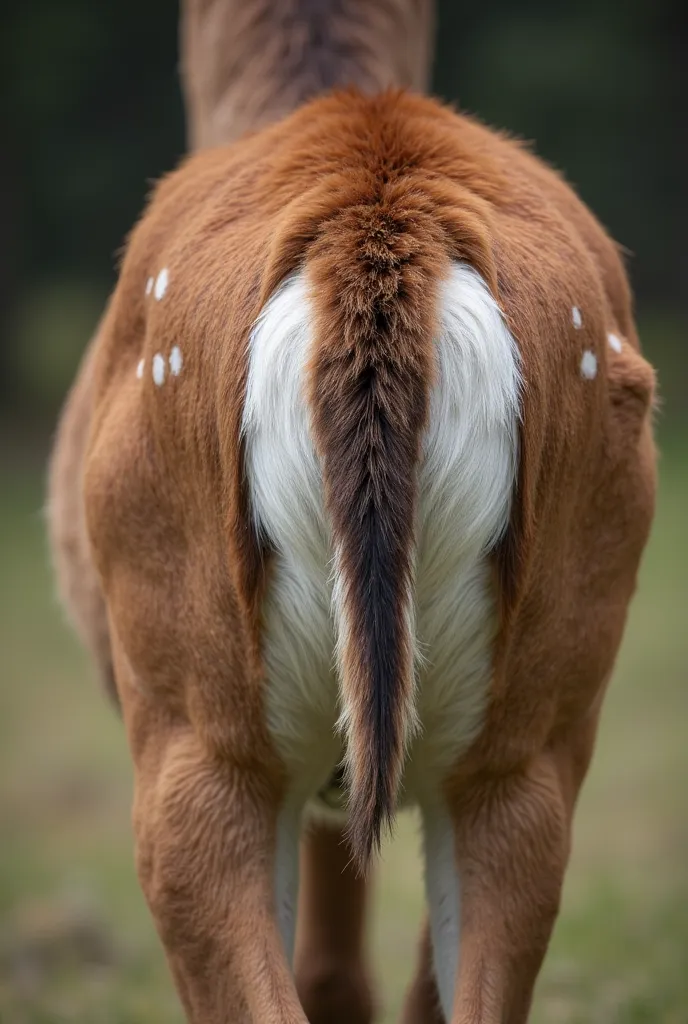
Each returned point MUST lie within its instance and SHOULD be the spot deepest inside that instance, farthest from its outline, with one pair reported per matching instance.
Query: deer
(348, 502)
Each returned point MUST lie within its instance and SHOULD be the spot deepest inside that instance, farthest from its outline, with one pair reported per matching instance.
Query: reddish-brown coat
(183, 574)
(247, 63)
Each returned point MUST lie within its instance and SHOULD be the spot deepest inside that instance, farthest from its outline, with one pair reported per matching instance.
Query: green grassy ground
(76, 943)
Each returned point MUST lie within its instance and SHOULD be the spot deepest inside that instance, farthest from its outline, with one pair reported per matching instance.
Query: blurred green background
(90, 114)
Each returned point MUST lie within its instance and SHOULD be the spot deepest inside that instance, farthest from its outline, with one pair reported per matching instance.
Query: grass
(76, 942)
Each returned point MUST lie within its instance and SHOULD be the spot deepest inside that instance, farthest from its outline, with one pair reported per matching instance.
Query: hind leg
(495, 866)
(211, 843)
(331, 974)
(422, 1003)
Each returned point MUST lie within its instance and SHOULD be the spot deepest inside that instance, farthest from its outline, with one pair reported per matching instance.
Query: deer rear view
(365, 464)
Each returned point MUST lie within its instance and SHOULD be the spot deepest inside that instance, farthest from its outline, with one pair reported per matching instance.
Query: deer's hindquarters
(370, 429)
(380, 609)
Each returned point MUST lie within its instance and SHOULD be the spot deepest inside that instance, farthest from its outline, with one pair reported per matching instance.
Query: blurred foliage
(91, 113)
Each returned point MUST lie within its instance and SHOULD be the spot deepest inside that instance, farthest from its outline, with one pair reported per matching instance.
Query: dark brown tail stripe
(376, 297)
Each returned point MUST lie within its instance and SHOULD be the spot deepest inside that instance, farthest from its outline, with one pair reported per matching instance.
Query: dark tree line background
(90, 114)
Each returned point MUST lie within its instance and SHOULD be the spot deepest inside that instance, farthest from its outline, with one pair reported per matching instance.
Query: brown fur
(329, 964)
(422, 1003)
(376, 278)
(247, 63)
(183, 574)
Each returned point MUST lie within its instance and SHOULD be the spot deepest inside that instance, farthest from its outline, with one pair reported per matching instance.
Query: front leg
(207, 832)
(331, 970)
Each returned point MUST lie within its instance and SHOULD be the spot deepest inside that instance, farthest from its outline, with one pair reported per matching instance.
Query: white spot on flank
(158, 369)
(614, 342)
(576, 317)
(139, 368)
(161, 282)
(588, 366)
(176, 361)
(149, 285)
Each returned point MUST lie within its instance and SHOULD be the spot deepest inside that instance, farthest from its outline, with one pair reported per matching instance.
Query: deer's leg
(422, 1003)
(331, 974)
(211, 852)
(495, 866)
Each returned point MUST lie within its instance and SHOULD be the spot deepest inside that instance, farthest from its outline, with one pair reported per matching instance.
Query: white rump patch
(470, 460)
(161, 283)
(588, 366)
(576, 317)
(614, 342)
(466, 476)
(139, 369)
(158, 369)
(149, 285)
(285, 483)
(176, 361)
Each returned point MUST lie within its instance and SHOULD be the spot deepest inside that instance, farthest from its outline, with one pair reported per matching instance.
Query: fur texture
(246, 63)
(466, 468)
(372, 199)
(286, 499)
(370, 378)
(467, 477)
